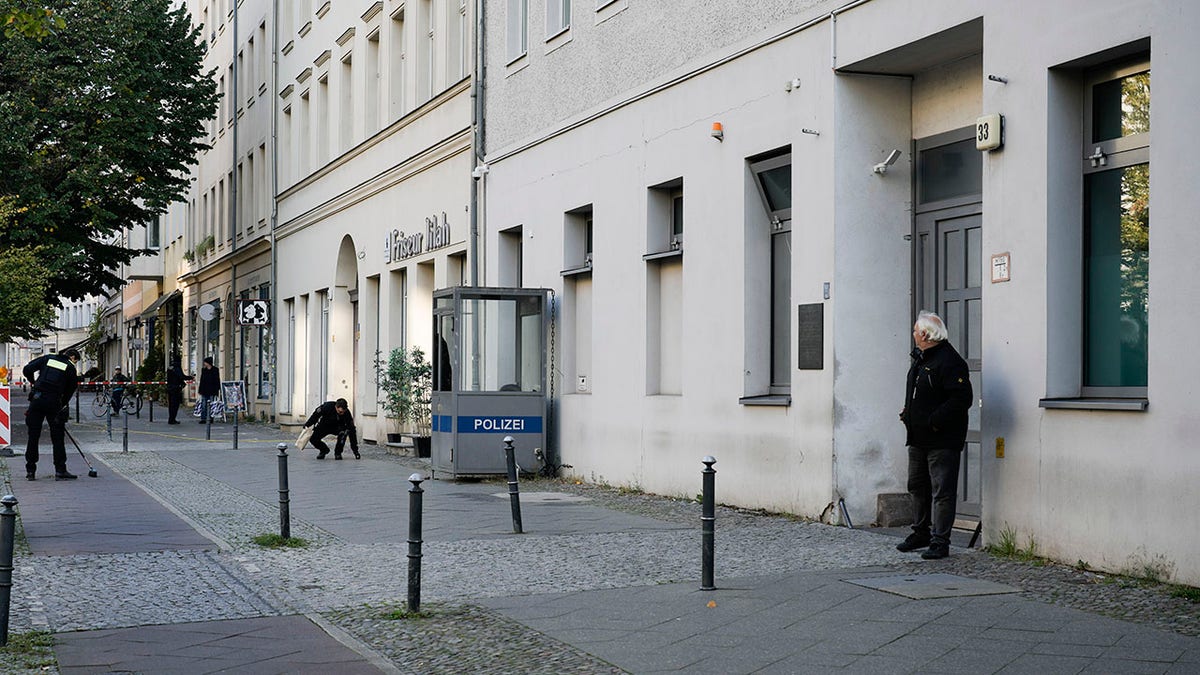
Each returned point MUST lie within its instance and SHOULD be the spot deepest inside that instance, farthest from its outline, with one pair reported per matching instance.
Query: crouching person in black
(333, 417)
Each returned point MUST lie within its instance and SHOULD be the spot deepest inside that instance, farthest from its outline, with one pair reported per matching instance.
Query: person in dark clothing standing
(175, 380)
(937, 400)
(210, 387)
(48, 399)
(333, 417)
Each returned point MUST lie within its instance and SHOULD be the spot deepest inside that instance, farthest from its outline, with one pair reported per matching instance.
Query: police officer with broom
(55, 384)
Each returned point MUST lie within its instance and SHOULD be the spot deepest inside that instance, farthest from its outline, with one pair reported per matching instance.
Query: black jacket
(937, 399)
(210, 382)
(327, 421)
(56, 376)
(176, 377)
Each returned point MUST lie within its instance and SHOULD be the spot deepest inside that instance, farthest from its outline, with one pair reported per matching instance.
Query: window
(558, 17)
(321, 118)
(518, 29)
(769, 278)
(371, 89)
(396, 63)
(577, 298)
(1116, 230)
(346, 108)
(154, 232)
(664, 289)
(428, 50)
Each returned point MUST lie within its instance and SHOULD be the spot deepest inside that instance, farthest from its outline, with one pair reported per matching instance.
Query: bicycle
(102, 403)
(131, 401)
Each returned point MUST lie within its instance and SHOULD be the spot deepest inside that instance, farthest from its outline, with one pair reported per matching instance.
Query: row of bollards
(8, 529)
(415, 506)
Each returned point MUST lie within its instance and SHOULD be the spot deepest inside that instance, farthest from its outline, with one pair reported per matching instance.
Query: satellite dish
(207, 312)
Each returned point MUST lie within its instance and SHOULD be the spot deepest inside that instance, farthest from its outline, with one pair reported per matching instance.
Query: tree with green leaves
(28, 18)
(101, 122)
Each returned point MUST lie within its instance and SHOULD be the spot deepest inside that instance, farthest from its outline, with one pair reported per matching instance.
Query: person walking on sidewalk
(333, 417)
(175, 380)
(48, 399)
(937, 399)
(210, 386)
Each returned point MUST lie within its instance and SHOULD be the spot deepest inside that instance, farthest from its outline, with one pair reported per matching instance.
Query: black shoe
(63, 475)
(936, 552)
(321, 455)
(337, 456)
(356, 455)
(173, 422)
(203, 421)
(912, 543)
(29, 475)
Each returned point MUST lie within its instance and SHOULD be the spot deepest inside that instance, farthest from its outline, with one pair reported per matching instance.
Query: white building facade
(374, 193)
(741, 207)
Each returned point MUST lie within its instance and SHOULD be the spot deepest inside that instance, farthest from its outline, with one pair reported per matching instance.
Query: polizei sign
(398, 246)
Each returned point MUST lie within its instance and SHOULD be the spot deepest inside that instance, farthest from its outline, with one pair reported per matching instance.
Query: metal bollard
(8, 529)
(208, 424)
(76, 407)
(108, 421)
(414, 543)
(236, 415)
(151, 401)
(285, 517)
(514, 492)
(125, 432)
(708, 520)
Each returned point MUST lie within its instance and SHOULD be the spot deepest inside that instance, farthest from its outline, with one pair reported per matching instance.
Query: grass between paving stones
(28, 652)
(276, 541)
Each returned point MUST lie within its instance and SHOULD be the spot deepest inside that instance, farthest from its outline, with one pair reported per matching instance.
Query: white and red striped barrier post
(5, 422)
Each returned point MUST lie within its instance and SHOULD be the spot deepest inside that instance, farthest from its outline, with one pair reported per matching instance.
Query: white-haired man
(937, 399)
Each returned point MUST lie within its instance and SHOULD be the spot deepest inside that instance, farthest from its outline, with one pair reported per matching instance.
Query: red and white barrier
(5, 418)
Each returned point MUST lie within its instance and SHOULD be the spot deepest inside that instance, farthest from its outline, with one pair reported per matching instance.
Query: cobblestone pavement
(361, 588)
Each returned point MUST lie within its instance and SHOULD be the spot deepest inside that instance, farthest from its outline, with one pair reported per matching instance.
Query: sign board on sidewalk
(234, 395)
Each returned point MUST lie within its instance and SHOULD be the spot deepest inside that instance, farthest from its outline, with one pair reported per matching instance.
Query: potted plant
(405, 382)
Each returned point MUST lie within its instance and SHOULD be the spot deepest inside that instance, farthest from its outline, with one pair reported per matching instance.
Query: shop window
(577, 298)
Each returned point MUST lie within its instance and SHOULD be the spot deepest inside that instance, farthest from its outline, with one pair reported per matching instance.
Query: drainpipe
(274, 208)
(233, 192)
(833, 15)
(476, 142)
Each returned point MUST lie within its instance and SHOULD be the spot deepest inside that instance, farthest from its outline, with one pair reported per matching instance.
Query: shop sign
(398, 246)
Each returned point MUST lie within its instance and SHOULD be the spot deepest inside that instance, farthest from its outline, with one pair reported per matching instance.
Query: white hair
(931, 326)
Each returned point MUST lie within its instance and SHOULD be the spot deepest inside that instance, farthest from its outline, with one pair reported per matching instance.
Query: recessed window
(558, 16)
(518, 29)
(769, 277)
(1116, 231)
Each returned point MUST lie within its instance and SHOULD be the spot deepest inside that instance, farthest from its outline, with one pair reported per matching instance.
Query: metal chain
(551, 467)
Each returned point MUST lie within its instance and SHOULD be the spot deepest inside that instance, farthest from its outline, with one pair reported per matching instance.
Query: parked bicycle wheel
(131, 402)
(100, 404)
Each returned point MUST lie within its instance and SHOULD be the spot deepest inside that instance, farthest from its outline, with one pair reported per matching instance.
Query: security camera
(480, 171)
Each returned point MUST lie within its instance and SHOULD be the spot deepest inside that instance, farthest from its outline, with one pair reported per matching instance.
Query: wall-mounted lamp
(791, 84)
(891, 159)
(718, 131)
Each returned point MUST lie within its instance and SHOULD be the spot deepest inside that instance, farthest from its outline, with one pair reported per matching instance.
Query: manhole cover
(928, 586)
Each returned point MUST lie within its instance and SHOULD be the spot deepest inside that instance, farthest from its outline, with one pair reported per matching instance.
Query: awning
(162, 300)
(78, 345)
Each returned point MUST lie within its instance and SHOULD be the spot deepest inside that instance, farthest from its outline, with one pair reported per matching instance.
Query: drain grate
(929, 586)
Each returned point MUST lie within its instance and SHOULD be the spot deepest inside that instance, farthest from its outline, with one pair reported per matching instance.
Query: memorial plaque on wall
(810, 335)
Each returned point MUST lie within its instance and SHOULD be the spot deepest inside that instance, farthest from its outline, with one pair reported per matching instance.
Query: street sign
(254, 313)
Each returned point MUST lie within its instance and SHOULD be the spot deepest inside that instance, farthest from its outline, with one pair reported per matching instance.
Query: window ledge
(1126, 404)
(675, 252)
(780, 400)
(574, 271)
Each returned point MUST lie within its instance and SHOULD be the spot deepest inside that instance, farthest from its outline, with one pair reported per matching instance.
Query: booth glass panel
(500, 344)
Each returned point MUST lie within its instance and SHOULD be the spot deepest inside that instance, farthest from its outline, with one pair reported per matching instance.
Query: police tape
(107, 382)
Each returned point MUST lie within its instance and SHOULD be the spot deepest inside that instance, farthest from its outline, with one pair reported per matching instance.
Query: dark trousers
(933, 485)
(322, 449)
(174, 399)
(205, 402)
(116, 400)
(43, 408)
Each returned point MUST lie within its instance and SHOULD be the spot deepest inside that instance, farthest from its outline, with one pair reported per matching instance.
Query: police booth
(490, 368)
